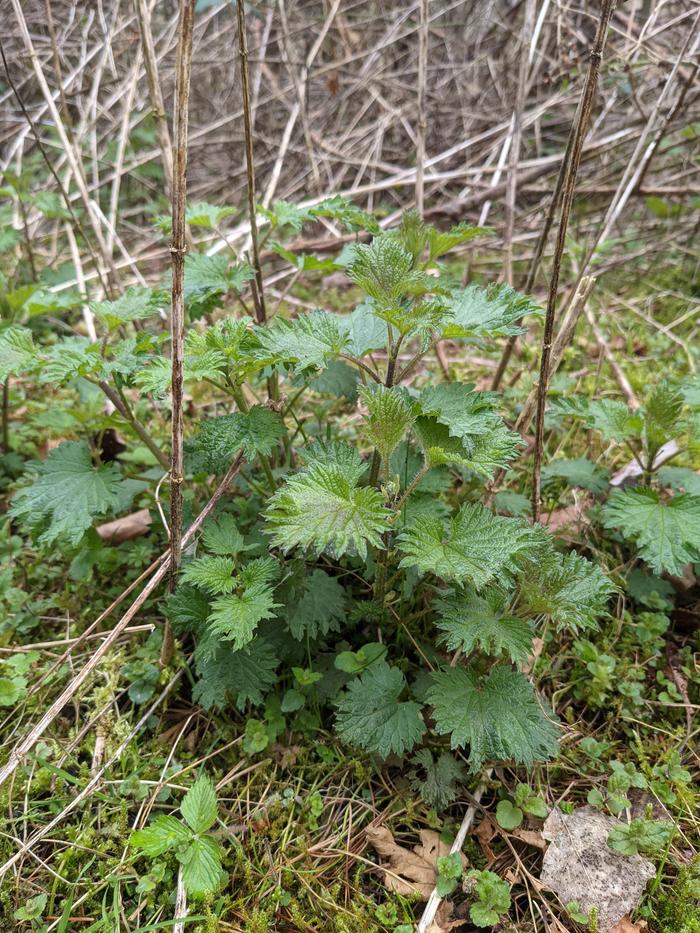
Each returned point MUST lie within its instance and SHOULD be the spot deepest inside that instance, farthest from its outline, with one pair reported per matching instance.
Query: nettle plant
(353, 573)
(658, 510)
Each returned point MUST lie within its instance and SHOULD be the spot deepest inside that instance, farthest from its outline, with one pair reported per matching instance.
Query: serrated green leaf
(70, 359)
(308, 341)
(680, 478)
(473, 547)
(161, 835)
(136, 304)
(662, 414)
(18, 354)
(384, 270)
(492, 311)
(436, 779)
(212, 574)
(219, 439)
(69, 492)
(580, 472)
(234, 618)
(470, 619)
(199, 806)
(371, 715)
(201, 866)
(498, 716)
(389, 416)
(202, 214)
(614, 420)
(568, 589)
(321, 608)
(649, 837)
(322, 507)
(221, 536)
(365, 331)
(440, 242)
(243, 676)
(465, 413)
(667, 534)
(342, 209)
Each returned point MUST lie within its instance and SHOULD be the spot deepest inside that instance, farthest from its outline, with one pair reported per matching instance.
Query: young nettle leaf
(201, 214)
(440, 242)
(365, 331)
(286, 214)
(449, 871)
(566, 588)
(156, 377)
(389, 416)
(68, 493)
(70, 359)
(345, 212)
(492, 311)
(235, 617)
(436, 779)
(218, 440)
(667, 534)
(580, 472)
(45, 301)
(305, 262)
(482, 454)
(307, 342)
(498, 715)
(469, 619)
(472, 548)
(384, 270)
(212, 574)
(243, 676)
(136, 304)
(321, 609)
(465, 413)
(371, 715)
(614, 420)
(680, 478)
(322, 507)
(221, 536)
(208, 278)
(18, 353)
(662, 416)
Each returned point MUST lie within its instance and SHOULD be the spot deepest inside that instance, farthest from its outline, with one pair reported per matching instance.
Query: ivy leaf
(436, 779)
(568, 589)
(580, 472)
(201, 866)
(321, 507)
(473, 547)
(18, 354)
(161, 835)
(199, 807)
(470, 619)
(69, 492)
(667, 534)
(389, 416)
(492, 311)
(243, 675)
(320, 610)
(371, 715)
(308, 341)
(219, 439)
(498, 716)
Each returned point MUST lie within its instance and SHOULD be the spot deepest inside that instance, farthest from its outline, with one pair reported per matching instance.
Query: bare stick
(157, 106)
(177, 251)
(161, 569)
(258, 293)
(434, 901)
(567, 200)
(422, 118)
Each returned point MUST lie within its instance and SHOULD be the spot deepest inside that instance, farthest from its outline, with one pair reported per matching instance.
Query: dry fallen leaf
(443, 921)
(579, 866)
(485, 832)
(409, 871)
(626, 926)
(533, 837)
(126, 528)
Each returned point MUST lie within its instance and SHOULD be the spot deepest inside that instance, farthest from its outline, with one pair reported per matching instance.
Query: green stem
(361, 365)
(407, 492)
(239, 398)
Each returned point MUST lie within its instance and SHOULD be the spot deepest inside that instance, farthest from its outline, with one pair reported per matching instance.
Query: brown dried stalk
(178, 250)
(569, 187)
